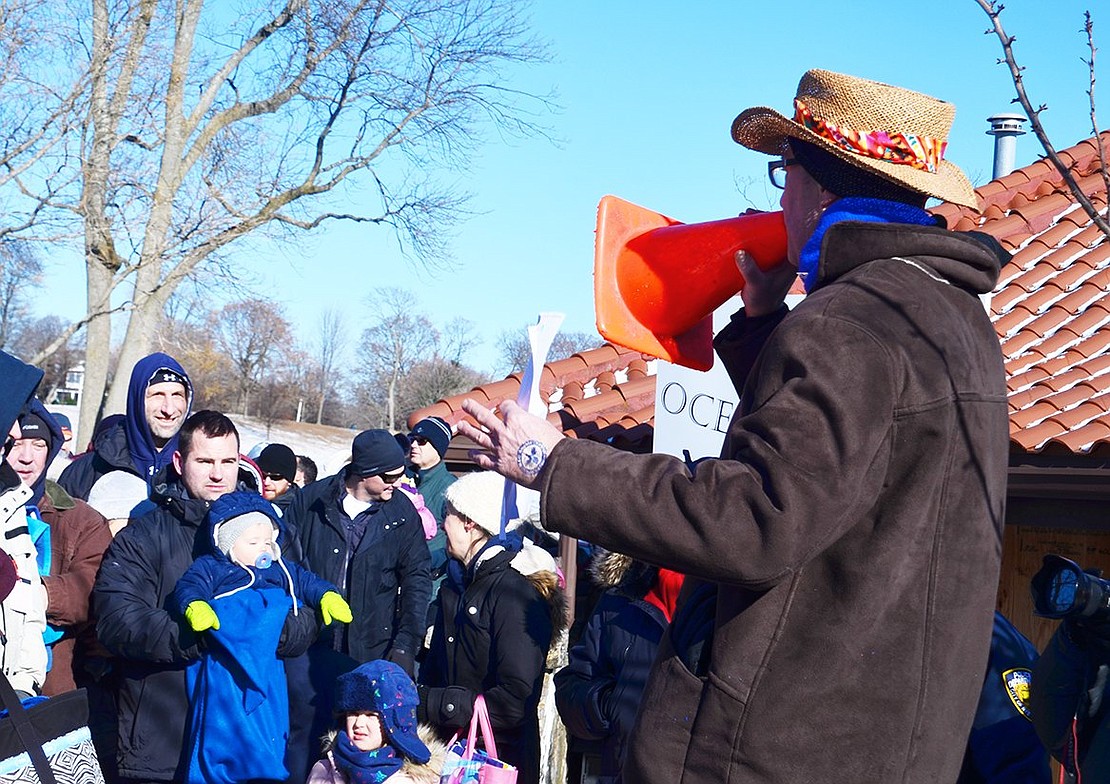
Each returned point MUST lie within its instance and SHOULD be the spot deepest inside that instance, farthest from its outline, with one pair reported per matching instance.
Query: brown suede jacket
(79, 535)
(847, 545)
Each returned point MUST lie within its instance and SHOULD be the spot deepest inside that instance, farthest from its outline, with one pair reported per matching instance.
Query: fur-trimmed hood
(613, 570)
(547, 584)
(422, 773)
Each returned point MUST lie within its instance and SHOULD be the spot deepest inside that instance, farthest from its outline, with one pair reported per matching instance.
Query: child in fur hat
(378, 739)
(238, 596)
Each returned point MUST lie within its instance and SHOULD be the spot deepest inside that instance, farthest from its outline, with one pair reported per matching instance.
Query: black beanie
(33, 426)
(278, 459)
(376, 452)
(842, 178)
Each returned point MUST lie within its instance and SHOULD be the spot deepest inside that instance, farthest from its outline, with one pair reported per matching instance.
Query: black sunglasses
(776, 170)
(392, 478)
(273, 477)
(419, 440)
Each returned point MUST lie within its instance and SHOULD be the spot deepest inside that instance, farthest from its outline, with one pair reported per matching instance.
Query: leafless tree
(397, 340)
(515, 349)
(30, 338)
(20, 273)
(189, 125)
(332, 337)
(254, 335)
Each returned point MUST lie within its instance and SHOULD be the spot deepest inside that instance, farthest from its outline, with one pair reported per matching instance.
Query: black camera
(1062, 590)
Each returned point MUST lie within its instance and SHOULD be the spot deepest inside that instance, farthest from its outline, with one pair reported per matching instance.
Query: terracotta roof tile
(1050, 309)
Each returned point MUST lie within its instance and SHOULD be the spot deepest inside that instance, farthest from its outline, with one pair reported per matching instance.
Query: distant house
(69, 394)
(1051, 310)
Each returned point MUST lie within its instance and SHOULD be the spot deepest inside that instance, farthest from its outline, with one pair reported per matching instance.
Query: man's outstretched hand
(517, 448)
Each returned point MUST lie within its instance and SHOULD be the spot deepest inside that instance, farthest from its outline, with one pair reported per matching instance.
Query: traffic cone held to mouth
(657, 281)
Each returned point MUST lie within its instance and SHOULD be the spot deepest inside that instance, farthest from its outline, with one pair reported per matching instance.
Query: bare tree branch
(994, 11)
(1088, 28)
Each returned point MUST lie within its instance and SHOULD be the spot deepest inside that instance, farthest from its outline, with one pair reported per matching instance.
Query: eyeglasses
(420, 440)
(393, 478)
(776, 170)
(274, 477)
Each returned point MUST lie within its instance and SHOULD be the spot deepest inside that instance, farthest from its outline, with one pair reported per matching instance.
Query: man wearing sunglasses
(361, 534)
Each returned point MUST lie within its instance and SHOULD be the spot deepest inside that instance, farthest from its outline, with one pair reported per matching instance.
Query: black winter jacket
(136, 578)
(598, 692)
(131, 599)
(109, 453)
(492, 638)
(387, 580)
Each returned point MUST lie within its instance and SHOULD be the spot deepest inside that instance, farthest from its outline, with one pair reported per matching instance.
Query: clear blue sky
(648, 91)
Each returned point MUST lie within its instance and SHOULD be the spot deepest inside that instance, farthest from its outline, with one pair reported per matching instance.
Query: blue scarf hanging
(855, 208)
(364, 767)
(39, 531)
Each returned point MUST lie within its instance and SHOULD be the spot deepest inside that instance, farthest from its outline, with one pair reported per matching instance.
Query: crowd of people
(815, 605)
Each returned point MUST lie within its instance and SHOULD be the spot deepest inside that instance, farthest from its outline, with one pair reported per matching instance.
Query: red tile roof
(1051, 310)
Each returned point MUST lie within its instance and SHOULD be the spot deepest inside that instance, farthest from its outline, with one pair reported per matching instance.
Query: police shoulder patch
(1017, 683)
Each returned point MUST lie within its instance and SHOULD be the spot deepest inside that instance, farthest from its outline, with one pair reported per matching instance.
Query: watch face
(531, 456)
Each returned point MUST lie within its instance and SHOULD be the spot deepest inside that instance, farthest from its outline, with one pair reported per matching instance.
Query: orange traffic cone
(658, 281)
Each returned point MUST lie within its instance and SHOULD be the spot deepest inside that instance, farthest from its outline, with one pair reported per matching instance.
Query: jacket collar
(56, 497)
(968, 260)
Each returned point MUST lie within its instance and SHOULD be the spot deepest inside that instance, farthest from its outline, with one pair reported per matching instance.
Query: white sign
(693, 408)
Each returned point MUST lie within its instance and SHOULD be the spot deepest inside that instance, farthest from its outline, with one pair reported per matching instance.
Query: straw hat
(890, 131)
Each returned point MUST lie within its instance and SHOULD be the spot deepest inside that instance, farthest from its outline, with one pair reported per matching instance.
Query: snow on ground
(329, 447)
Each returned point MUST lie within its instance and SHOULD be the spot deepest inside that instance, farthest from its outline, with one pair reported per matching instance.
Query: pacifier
(263, 561)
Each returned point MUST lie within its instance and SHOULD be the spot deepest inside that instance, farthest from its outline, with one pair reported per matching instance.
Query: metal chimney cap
(1006, 123)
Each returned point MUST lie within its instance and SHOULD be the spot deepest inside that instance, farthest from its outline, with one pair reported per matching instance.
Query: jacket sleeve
(193, 586)
(414, 575)
(24, 624)
(130, 621)
(67, 593)
(310, 587)
(1058, 693)
(803, 463)
(581, 684)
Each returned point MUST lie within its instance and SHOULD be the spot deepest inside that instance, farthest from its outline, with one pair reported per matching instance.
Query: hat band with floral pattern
(920, 152)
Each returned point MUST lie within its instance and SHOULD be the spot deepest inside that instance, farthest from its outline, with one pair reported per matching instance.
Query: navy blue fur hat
(386, 689)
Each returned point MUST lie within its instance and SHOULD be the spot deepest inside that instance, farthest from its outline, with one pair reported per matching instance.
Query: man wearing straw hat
(843, 553)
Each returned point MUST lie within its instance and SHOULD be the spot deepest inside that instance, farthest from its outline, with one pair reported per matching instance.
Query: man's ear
(178, 461)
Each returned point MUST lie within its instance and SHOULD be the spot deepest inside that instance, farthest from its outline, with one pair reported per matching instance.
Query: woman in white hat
(496, 616)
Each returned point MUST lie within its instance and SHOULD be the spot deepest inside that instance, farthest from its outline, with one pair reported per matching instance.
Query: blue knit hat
(436, 431)
(386, 689)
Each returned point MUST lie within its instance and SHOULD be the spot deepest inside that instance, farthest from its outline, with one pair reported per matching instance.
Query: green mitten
(334, 608)
(201, 616)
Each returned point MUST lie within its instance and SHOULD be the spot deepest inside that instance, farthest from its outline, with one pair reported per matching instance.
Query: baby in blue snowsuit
(239, 596)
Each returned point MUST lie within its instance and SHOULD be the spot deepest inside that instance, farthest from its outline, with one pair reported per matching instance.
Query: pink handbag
(467, 764)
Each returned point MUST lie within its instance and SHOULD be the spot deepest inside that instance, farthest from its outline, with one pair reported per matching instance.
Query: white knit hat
(477, 496)
(119, 495)
(228, 531)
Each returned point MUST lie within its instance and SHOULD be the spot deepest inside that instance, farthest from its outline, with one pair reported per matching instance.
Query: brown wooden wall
(1023, 548)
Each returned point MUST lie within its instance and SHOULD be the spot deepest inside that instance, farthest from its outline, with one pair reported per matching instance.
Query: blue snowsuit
(239, 705)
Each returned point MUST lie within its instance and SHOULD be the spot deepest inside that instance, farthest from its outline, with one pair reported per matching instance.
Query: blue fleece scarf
(855, 208)
(148, 459)
(364, 767)
(461, 576)
(39, 531)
